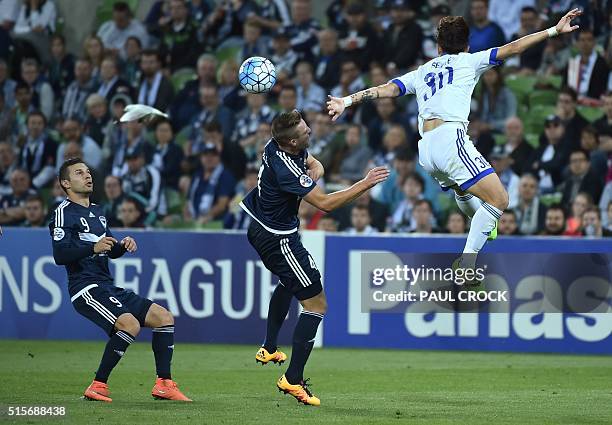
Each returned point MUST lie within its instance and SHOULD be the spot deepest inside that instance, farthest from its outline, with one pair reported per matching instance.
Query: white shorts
(449, 156)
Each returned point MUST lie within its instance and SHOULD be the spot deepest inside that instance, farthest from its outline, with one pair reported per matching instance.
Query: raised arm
(332, 201)
(337, 105)
(519, 46)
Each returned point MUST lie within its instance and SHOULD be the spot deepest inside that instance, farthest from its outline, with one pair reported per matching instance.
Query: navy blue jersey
(75, 230)
(282, 182)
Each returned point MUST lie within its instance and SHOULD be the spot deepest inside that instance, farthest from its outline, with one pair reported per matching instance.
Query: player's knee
(128, 323)
(502, 200)
(165, 317)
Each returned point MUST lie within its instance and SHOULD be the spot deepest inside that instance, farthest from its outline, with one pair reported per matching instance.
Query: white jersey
(444, 85)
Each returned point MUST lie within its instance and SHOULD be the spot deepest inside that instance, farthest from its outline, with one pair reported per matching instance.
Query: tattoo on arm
(365, 95)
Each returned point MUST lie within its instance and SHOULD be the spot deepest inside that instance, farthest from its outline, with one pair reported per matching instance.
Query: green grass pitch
(355, 386)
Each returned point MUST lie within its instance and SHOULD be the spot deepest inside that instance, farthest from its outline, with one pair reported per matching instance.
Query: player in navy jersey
(286, 176)
(83, 243)
(443, 88)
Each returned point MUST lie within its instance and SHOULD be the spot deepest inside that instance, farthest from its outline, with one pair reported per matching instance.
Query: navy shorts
(286, 257)
(104, 303)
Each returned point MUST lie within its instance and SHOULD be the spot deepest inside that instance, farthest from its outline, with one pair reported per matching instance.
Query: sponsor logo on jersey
(58, 234)
(305, 180)
(91, 215)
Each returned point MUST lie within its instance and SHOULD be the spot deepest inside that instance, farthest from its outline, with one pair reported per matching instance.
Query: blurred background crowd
(543, 120)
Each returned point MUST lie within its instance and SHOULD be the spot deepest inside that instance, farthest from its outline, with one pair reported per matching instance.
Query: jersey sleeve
(406, 83)
(64, 252)
(484, 60)
(290, 178)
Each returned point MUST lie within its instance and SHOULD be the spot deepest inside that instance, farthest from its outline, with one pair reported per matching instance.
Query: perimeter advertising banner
(218, 290)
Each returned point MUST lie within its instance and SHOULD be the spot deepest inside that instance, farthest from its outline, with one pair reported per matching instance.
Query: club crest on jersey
(58, 234)
(305, 180)
(103, 220)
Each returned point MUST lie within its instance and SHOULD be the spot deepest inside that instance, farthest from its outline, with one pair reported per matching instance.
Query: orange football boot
(264, 357)
(166, 389)
(97, 391)
(299, 391)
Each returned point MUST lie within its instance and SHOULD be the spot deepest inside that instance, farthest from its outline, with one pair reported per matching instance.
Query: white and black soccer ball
(257, 75)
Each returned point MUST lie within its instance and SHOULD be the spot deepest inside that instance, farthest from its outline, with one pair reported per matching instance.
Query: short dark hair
(36, 198)
(510, 212)
(136, 39)
(453, 34)
(213, 127)
(426, 202)
(152, 52)
(360, 207)
(416, 177)
(289, 87)
(570, 92)
(557, 207)
(64, 172)
(122, 6)
(161, 121)
(283, 126)
(22, 86)
(586, 154)
(36, 114)
(529, 9)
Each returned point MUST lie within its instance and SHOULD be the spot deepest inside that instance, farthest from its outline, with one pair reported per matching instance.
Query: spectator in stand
(572, 120)
(287, 98)
(496, 102)
(143, 180)
(223, 27)
(131, 63)
(322, 134)
(187, 102)
(395, 138)
(589, 142)
(8, 164)
(309, 216)
(350, 82)
(507, 224)
(9, 11)
(114, 33)
(7, 85)
(403, 40)
(530, 213)
(12, 206)
(587, 72)
(113, 192)
(61, 67)
(272, 15)
(582, 202)
(253, 145)
(351, 159)
(238, 218)
(256, 112)
(387, 115)
(591, 224)
(93, 49)
(23, 107)
(359, 41)
(360, 222)
(509, 15)
(211, 110)
(128, 141)
(37, 156)
(132, 213)
(155, 89)
(500, 161)
(484, 34)
(555, 57)
(554, 223)
(254, 44)
(98, 118)
(604, 124)
(36, 21)
(402, 219)
(310, 95)
(303, 29)
(79, 90)
(6, 119)
(530, 60)
(549, 160)
(179, 42)
(582, 178)
(232, 94)
(72, 131)
(233, 157)
(456, 224)
(424, 219)
(284, 57)
(516, 146)
(328, 60)
(168, 156)
(35, 211)
(212, 187)
(43, 97)
(111, 84)
(328, 224)
(390, 192)
(430, 42)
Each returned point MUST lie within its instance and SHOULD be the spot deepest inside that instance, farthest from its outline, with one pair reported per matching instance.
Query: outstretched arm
(337, 105)
(519, 46)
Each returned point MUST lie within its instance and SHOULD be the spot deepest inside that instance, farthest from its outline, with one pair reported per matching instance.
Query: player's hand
(376, 175)
(129, 244)
(335, 107)
(315, 170)
(104, 245)
(565, 23)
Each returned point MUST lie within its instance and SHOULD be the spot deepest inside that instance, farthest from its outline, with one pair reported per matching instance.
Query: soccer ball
(257, 75)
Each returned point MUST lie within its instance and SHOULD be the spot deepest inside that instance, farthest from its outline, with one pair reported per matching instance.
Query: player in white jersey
(443, 88)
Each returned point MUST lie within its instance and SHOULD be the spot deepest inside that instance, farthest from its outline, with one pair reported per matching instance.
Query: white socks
(467, 203)
(483, 223)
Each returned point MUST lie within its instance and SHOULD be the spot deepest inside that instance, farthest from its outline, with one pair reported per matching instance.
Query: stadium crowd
(543, 120)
